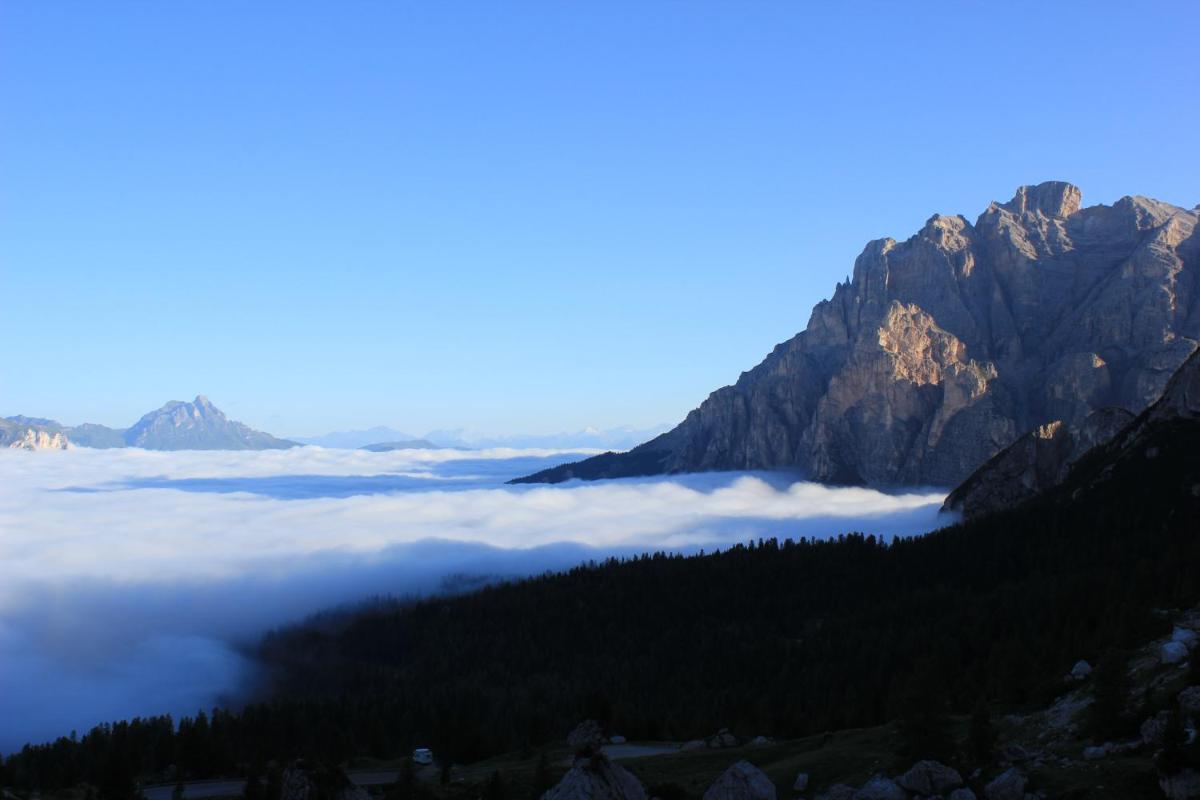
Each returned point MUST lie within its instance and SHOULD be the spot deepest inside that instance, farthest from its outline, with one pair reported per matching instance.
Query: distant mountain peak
(198, 425)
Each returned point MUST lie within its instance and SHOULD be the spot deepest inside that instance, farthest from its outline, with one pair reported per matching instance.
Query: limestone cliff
(941, 350)
(35, 439)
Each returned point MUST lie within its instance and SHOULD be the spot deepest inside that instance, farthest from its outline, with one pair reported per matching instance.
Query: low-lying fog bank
(132, 577)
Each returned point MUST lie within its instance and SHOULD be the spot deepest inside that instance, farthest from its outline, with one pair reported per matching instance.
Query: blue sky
(517, 216)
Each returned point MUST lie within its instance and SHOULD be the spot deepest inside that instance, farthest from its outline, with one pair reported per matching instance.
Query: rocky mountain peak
(1055, 199)
(944, 348)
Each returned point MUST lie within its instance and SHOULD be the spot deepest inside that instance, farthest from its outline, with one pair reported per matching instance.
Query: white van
(422, 755)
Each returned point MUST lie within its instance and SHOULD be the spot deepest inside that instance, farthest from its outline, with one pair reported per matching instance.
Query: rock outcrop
(1033, 463)
(941, 350)
(929, 778)
(596, 778)
(34, 439)
(742, 781)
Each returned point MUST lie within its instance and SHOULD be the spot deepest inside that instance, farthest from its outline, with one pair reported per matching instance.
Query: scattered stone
(1095, 753)
(1081, 670)
(587, 738)
(1182, 786)
(881, 787)
(801, 783)
(930, 778)
(1008, 785)
(1189, 701)
(961, 794)
(742, 781)
(1173, 652)
(759, 741)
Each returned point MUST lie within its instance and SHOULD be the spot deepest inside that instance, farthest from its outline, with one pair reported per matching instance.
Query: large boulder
(961, 794)
(742, 781)
(1173, 652)
(1008, 785)
(930, 778)
(801, 783)
(881, 787)
(596, 778)
(1081, 670)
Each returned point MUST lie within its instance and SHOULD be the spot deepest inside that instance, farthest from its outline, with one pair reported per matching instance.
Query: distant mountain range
(620, 438)
(944, 349)
(404, 444)
(198, 425)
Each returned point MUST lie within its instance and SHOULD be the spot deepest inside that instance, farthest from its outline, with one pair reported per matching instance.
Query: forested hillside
(774, 638)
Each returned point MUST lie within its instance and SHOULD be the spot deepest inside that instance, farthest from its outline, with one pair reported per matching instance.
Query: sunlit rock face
(943, 349)
(33, 439)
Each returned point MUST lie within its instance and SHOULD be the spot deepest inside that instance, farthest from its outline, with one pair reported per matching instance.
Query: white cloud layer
(130, 577)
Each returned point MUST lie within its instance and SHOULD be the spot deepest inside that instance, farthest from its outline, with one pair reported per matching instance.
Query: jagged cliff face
(943, 349)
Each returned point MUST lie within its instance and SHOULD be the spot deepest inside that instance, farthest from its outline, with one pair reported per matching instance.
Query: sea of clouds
(132, 582)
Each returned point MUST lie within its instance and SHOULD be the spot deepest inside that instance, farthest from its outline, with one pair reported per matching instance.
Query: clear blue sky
(517, 216)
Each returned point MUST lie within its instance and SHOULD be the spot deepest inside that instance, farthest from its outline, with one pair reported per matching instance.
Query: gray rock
(961, 794)
(1095, 753)
(1185, 636)
(742, 781)
(930, 778)
(942, 349)
(1081, 670)
(694, 744)
(1173, 653)
(1189, 701)
(596, 778)
(881, 788)
(801, 782)
(1008, 785)
(1183, 786)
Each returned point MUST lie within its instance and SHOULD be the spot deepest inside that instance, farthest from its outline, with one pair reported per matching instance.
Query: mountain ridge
(177, 425)
(942, 349)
